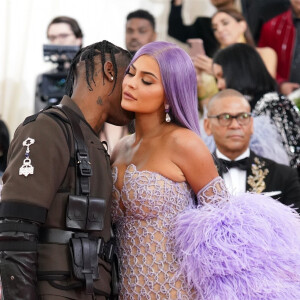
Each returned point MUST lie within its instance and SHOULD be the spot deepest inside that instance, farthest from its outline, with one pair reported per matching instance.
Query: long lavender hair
(179, 81)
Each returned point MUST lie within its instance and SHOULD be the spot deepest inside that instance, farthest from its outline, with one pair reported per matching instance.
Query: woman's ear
(243, 25)
(109, 72)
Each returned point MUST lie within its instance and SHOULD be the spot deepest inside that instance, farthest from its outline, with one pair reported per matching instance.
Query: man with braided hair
(55, 224)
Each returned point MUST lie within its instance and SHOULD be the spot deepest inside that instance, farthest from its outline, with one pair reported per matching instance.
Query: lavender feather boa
(239, 247)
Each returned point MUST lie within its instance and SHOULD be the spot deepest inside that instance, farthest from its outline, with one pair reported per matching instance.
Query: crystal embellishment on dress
(27, 169)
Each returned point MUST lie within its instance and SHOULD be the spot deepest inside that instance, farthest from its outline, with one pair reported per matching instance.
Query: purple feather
(247, 247)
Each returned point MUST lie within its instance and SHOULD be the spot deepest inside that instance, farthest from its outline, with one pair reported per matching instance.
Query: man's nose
(134, 35)
(234, 123)
(220, 28)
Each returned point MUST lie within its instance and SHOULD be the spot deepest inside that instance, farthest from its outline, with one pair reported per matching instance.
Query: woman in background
(230, 27)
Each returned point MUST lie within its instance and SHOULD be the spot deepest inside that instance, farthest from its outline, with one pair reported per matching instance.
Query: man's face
(231, 140)
(116, 114)
(222, 3)
(139, 32)
(296, 6)
(62, 34)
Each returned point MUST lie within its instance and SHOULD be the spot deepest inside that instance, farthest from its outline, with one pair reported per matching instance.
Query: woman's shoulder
(185, 141)
(269, 57)
(181, 135)
(189, 153)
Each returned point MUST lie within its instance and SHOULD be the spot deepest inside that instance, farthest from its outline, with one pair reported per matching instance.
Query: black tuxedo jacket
(265, 175)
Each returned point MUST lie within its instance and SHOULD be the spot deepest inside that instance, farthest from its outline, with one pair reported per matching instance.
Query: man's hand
(288, 87)
(177, 2)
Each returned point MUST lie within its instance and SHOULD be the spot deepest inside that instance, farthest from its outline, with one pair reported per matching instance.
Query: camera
(51, 85)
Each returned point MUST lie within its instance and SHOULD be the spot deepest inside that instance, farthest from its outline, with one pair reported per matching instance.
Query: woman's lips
(128, 96)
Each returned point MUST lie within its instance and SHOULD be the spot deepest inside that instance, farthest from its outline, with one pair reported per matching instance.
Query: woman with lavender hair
(180, 234)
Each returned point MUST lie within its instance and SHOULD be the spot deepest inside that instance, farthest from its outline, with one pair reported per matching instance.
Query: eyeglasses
(61, 36)
(226, 119)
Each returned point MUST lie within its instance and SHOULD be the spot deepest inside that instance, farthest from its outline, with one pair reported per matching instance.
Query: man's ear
(206, 125)
(109, 72)
(78, 42)
(154, 36)
(251, 125)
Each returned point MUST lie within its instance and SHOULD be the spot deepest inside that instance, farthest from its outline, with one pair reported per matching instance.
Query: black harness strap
(19, 227)
(87, 270)
(24, 211)
(24, 246)
(83, 166)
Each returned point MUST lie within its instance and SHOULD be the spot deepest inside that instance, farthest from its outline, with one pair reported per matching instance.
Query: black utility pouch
(96, 214)
(85, 213)
(84, 255)
(77, 212)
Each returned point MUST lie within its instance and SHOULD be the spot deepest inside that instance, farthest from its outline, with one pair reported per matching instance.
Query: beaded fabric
(285, 116)
(214, 192)
(148, 267)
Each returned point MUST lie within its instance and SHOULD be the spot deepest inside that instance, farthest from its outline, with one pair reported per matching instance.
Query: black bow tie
(225, 165)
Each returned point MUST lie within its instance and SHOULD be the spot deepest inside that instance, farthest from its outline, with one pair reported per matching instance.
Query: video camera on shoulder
(51, 85)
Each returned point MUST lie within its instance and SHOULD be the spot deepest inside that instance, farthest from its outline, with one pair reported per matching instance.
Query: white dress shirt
(235, 178)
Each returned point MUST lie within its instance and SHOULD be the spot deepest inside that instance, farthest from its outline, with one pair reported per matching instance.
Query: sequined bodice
(149, 202)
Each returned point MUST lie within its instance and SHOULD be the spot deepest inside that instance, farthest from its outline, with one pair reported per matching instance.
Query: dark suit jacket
(265, 175)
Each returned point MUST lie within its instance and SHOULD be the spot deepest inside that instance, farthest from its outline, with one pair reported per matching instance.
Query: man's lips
(235, 136)
(134, 42)
(128, 96)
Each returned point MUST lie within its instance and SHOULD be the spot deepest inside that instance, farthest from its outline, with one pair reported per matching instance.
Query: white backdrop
(23, 26)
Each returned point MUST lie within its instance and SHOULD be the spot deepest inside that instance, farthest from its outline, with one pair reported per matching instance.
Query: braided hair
(88, 55)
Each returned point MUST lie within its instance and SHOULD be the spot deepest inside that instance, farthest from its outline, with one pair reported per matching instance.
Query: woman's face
(227, 29)
(143, 90)
(218, 73)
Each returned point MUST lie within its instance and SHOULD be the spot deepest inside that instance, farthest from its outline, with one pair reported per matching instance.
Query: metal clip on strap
(84, 164)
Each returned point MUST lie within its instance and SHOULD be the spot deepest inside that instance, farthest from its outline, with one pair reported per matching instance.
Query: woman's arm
(269, 57)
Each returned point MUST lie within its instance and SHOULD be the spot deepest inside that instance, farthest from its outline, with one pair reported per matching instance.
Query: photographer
(61, 31)
(64, 31)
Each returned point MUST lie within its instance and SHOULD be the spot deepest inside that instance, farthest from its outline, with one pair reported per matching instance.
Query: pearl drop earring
(167, 109)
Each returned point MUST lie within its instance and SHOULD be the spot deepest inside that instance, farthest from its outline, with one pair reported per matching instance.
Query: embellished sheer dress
(148, 267)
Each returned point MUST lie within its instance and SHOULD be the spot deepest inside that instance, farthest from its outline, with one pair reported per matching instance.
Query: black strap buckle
(106, 250)
(84, 164)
